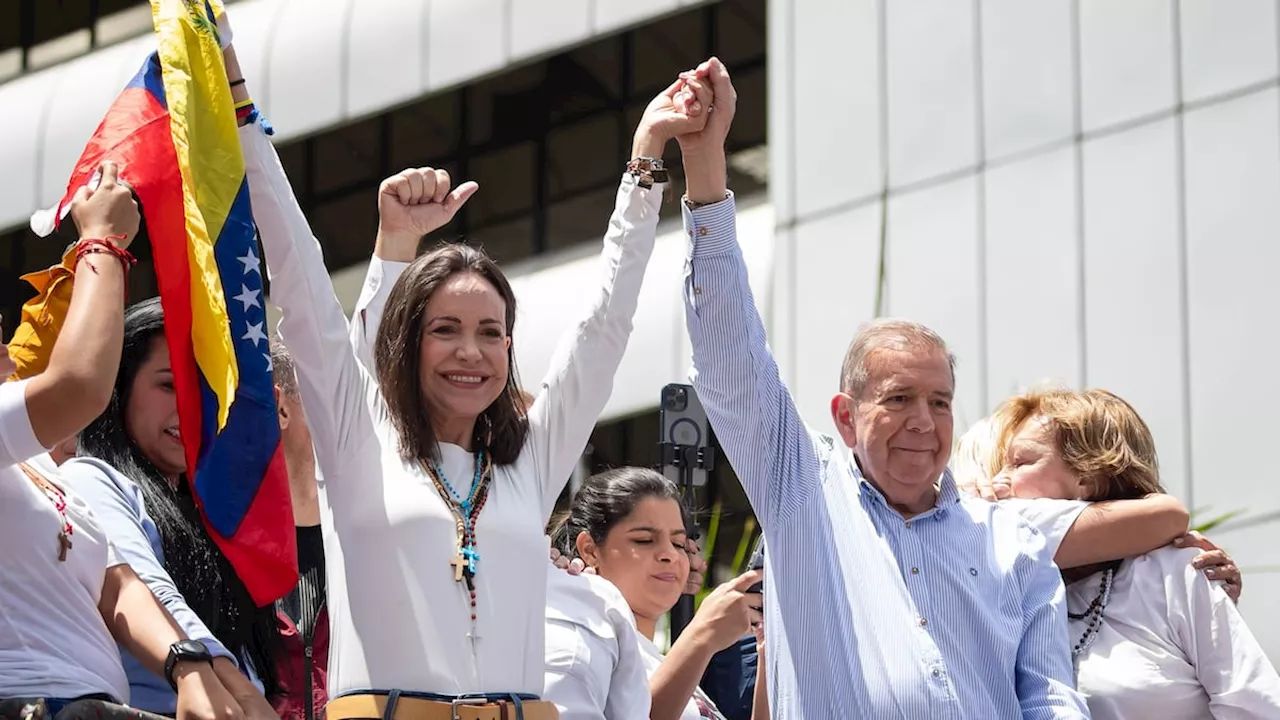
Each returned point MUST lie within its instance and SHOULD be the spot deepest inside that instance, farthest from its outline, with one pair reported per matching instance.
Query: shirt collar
(948, 492)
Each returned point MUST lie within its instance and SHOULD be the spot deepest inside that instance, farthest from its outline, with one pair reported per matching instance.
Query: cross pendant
(64, 544)
(459, 564)
(469, 552)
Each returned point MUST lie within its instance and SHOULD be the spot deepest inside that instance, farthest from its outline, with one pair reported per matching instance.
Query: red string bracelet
(93, 246)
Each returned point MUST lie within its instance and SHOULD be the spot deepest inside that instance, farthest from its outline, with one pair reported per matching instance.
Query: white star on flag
(254, 333)
(267, 357)
(250, 262)
(248, 297)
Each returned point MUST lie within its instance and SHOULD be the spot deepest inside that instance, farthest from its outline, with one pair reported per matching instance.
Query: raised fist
(419, 201)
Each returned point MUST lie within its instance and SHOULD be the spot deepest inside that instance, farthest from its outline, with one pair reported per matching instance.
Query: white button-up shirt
(594, 668)
(1172, 644)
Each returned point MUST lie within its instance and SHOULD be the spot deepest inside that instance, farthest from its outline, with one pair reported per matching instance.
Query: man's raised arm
(735, 375)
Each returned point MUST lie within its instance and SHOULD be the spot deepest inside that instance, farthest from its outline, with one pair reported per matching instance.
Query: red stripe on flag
(265, 558)
(161, 198)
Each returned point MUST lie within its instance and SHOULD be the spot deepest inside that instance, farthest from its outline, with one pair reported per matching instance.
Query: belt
(399, 706)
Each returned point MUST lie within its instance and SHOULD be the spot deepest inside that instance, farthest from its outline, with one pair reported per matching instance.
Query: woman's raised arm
(411, 205)
(336, 390)
(580, 380)
(77, 384)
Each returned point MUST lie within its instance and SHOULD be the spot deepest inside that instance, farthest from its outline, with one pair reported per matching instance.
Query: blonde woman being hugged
(1151, 635)
(437, 485)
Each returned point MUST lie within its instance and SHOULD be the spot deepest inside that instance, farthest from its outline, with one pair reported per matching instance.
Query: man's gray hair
(282, 369)
(887, 334)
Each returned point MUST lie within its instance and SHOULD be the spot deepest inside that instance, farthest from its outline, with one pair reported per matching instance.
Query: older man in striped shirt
(888, 594)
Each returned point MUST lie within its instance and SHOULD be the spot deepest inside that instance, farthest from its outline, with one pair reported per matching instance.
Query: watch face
(191, 650)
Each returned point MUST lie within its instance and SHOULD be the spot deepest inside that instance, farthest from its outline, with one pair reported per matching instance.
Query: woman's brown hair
(502, 427)
(1098, 435)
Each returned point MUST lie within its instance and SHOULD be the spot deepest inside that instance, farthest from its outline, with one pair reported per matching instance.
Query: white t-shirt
(1051, 516)
(594, 667)
(700, 706)
(1171, 646)
(53, 642)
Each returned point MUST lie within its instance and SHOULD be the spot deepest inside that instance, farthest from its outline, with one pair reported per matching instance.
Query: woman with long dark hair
(130, 469)
(437, 485)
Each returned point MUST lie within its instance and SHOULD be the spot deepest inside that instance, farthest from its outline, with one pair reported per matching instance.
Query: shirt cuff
(711, 228)
(375, 278)
(652, 195)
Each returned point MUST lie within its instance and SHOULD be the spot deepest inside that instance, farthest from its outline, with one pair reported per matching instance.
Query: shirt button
(923, 622)
(908, 523)
(937, 672)
(702, 232)
(915, 571)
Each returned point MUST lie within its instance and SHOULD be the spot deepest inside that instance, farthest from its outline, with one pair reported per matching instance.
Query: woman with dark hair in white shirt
(1151, 635)
(595, 668)
(67, 597)
(628, 526)
(437, 485)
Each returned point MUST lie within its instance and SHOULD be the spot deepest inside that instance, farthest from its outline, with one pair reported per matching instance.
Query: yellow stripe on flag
(203, 122)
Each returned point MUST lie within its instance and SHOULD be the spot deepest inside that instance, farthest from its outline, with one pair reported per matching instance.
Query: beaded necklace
(465, 511)
(1092, 614)
(59, 500)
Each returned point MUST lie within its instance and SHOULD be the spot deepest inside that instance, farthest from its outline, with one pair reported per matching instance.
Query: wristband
(99, 246)
(648, 171)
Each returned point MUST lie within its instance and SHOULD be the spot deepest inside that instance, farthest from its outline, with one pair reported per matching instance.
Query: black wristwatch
(184, 651)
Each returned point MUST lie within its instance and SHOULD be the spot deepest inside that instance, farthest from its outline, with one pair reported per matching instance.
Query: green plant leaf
(1213, 522)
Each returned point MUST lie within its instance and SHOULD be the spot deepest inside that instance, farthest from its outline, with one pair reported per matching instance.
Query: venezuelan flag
(174, 133)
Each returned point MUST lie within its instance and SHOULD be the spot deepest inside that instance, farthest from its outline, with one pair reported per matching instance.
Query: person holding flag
(67, 595)
(185, 467)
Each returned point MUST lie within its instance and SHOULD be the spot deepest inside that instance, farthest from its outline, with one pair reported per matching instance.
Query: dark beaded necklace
(1093, 616)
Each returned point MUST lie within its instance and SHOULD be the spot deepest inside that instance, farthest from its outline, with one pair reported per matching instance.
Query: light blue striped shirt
(955, 613)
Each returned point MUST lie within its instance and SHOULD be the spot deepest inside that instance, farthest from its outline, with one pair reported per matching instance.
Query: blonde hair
(978, 456)
(1098, 435)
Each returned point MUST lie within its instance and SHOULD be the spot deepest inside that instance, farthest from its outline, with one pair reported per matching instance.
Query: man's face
(293, 422)
(900, 428)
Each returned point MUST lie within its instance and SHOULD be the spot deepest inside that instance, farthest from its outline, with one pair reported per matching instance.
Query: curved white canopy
(313, 63)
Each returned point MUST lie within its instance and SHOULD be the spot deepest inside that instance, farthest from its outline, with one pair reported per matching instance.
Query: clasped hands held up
(696, 111)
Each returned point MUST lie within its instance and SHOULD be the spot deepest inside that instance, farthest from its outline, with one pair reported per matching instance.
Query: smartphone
(683, 422)
(757, 563)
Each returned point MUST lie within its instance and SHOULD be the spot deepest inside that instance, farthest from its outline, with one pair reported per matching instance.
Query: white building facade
(1079, 191)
